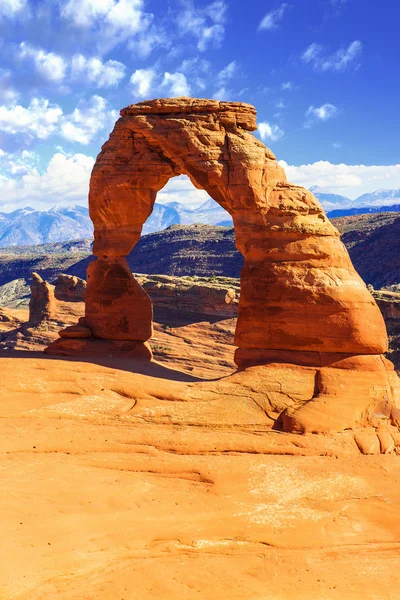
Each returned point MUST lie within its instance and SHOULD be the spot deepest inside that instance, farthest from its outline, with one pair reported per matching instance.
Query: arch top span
(239, 114)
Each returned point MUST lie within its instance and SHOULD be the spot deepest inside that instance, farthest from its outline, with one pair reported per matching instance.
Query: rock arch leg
(122, 194)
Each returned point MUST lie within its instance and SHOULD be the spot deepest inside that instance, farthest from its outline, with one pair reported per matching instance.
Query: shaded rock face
(42, 302)
(301, 300)
(70, 288)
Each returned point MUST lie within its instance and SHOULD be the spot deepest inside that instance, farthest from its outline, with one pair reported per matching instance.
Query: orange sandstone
(301, 301)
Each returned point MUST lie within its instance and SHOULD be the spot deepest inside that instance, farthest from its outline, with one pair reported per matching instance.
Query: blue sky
(323, 75)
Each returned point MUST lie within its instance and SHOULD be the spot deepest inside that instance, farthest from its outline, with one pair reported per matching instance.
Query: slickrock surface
(126, 480)
(41, 304)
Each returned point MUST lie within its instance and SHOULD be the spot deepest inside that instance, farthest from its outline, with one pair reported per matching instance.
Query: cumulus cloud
(228, 72)
(269, 131)
(338, 61)
(91, 70)
(273, 18)
(42, 119)
(206, 24)
(110, 22)
(142, 82)
(18, 163)
(49, 65)
(316, 114)
(222, 79)
(181, 189)
(349, 180)
(287, 86)
(196, 64)
(102, 74)
(176, 84)
(146, 82)
(8, 93)
(10, 8)
(66, 177)
(87, 120)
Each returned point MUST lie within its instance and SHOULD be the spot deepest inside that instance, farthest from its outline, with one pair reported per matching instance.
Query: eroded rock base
(96, 347)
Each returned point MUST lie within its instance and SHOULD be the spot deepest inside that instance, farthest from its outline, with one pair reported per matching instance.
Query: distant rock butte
(42, 303)
(301, 302)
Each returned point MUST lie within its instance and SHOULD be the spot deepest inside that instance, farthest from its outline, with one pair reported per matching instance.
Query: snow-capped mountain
(336, 205)
(328, 199)
(382, 197)
(209, 213)
(27, 226)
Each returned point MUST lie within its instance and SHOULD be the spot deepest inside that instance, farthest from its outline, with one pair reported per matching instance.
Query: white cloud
(338, 61)
(273, 18)
(206, 24)
(222, 94)
(176, 84)
(142, 82)
(65, 180)
(316, 114)
(87, 120)
(349, 180)
(228, 72)
(40, 119)
(222, 78)
(17, 163)
(10, 8)
(102, 74)
(181, 189)
(287, 86)
(191, 65)
(270, 132)
(55, 68)
(110, 22)
(50, 66)
(7, 92)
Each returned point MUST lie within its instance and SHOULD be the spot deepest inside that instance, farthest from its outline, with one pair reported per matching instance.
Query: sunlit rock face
(301, 301)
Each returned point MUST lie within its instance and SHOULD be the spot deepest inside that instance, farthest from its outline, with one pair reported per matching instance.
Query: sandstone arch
(300, 292)
(301, 300)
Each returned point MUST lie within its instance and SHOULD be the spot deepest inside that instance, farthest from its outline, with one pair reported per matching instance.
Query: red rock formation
(70, 288)
(301, 300)
(42, 303)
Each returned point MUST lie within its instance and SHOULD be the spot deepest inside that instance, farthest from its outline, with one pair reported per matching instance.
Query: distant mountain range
(27, 226)
(175, 213)
(336, 205)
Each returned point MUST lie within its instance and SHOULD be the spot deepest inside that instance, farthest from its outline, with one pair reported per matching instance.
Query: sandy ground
(123, 480)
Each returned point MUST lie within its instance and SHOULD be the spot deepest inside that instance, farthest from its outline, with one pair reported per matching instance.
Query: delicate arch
(301, 300)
